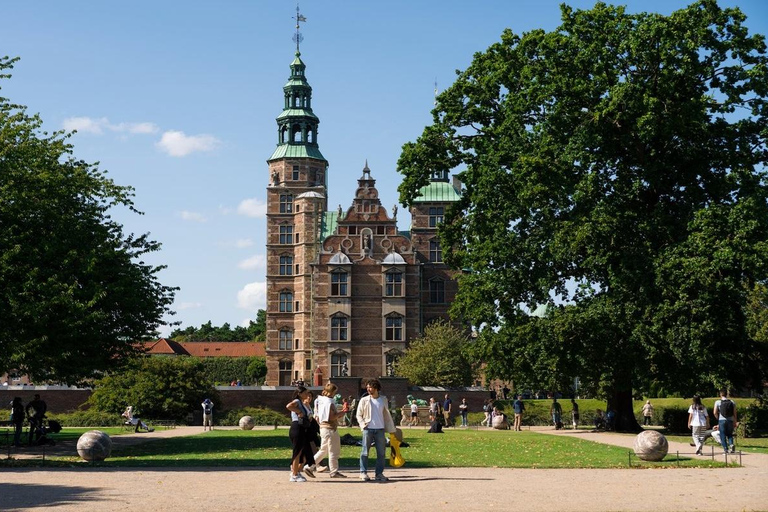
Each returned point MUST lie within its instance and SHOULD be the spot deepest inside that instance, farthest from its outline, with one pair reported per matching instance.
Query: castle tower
(296, 202)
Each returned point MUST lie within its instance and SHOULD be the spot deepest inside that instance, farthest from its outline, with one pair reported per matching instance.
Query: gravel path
(460, 489)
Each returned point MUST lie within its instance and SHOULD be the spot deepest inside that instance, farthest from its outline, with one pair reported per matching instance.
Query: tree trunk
(620, 402)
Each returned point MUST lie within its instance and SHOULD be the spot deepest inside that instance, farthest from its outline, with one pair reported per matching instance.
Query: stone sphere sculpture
(94, 445)
(500, 424)
(246, 423)
(651, 446)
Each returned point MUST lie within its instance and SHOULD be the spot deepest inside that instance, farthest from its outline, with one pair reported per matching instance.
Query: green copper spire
(297, 124)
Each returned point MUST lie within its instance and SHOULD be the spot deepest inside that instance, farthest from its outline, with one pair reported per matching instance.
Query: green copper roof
(296, 112)
(330, 221)
(296, 151)
(437, 192)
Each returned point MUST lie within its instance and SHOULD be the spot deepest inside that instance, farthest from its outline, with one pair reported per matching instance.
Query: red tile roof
(207, 348)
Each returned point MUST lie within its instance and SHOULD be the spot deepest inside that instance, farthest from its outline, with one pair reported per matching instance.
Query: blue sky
(178, 99)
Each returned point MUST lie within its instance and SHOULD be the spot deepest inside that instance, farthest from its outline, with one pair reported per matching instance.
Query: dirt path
(460, 489)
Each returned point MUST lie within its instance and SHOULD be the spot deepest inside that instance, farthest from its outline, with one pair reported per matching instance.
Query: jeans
(375, 436)
(726, 433)
(330, 445)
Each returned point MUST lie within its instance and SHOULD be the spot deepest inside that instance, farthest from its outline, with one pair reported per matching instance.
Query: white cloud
(242, 243)
(189, 305)
(253, 296)
(192, 216)
(252, 208)
(246, 322)
(98, 125)
(177, 143)
(258, 261)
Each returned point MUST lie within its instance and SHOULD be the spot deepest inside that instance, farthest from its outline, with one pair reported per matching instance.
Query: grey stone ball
(94, 445)
(499, 423)
(651, 446)
(246, 423)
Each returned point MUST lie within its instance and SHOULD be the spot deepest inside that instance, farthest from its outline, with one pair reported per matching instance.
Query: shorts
(414, 414)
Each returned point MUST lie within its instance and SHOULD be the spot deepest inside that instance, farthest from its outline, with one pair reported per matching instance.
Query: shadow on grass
(23, 496)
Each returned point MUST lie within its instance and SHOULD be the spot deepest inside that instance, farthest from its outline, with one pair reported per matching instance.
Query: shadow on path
(22, 496)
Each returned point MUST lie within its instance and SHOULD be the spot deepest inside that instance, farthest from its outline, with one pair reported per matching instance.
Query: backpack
(726, 408)
(208, 408)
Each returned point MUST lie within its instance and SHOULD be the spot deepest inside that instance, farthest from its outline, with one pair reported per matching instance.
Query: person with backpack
(519, 407)
(207, 414)
(725, 413)
(556, 410)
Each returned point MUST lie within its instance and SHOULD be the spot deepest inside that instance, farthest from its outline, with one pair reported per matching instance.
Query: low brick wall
(57, 398)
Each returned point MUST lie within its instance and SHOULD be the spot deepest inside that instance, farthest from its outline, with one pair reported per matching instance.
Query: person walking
(375, 420)
(698, 422)
(556, 411)
(487, 408)
(464, 411)
(17, 419)
(725, 414)
(328, 418)
(647, 413)
(519, 407)
(207, 414)
(574, 413)
(299, 435)
(414, 413)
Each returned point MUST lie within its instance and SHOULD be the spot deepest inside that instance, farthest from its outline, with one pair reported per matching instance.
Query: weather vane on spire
(297, 37)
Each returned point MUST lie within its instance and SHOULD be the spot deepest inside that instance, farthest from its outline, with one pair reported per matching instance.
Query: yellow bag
(396, 459)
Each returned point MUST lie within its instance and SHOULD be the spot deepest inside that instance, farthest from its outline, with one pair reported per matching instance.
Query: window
(284, 375)
(286, 339)
(297, 306)
(435, 216)
(297, 237)
(393, 330)
(381, 230)
(339, 365)
(286, 235)
(307, 364)
(286, 265)
(435, 252)
(286, 302)
(286, 203)
(295, 175)
(352, 230)
(339, 328)
(437, 291)
(339, 283)
(393, 284)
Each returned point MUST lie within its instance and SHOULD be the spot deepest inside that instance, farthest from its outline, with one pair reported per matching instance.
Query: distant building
(346, 290)
(166, 347)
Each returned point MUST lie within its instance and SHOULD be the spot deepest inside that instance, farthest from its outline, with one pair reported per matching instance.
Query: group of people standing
(34, 413)
(310, 419)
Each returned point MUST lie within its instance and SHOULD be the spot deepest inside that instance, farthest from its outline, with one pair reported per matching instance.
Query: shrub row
(261, 416)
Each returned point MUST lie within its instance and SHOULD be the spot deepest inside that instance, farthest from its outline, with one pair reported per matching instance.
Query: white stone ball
(651, 445)
(499, 423)
(246, 423)
(94, 445)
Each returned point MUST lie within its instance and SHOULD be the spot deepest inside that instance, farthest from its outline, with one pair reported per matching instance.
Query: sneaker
(321, 469)
(337, 475)
(308, 471)
(151, 430)
(364, 477)
(381, 478)
(733, 449)
(297, 478)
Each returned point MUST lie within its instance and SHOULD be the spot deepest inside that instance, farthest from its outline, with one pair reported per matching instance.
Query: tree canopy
(614, 169)
(438, 358)
(255, 331)
(74, 293)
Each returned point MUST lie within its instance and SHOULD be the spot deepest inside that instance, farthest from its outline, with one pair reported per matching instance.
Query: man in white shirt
(375, 420)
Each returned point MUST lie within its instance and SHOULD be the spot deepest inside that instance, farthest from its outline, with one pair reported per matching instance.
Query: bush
(157, 387)
(260, 415)
(753, 420)
(88, 418)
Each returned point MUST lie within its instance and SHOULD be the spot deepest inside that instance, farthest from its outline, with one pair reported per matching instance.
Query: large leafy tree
(614, 169)
(74, 293)
(439, 357)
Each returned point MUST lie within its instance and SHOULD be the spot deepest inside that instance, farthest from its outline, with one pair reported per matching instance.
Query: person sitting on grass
(135, 420)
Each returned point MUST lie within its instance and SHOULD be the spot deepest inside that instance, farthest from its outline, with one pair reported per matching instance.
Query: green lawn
(455, 448)
(746, 444)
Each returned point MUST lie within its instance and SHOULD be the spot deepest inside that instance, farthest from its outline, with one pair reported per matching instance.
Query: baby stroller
(42, 429)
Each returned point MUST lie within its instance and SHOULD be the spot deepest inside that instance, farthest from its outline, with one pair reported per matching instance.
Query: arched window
(393, 328)
(296, 133)
(393, 283)
(286, 339)
(286, 301)
(339, 328)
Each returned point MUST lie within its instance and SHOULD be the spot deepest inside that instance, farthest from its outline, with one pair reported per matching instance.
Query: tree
(248, 370)
(207, 332)
(158, 387)
(614, 169)
(437, 358)
(74, 293)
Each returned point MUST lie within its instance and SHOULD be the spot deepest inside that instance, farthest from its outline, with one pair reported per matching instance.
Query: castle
(346, 290)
